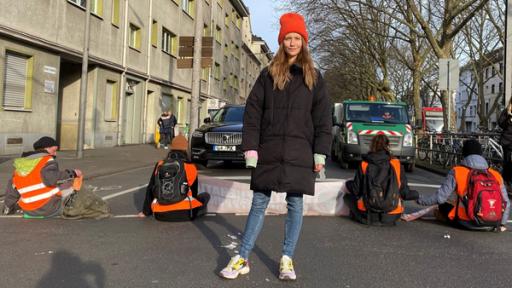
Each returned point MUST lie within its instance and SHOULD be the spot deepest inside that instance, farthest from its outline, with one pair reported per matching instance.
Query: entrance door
(132, 119)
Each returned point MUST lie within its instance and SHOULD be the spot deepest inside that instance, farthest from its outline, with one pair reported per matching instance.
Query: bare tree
(450, 16)
(481, 43)
(352, 40)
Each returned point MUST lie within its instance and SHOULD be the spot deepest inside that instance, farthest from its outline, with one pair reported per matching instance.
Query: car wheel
(202, 162)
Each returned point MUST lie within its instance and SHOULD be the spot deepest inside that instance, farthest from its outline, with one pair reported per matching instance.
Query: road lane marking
(127, 216)
(424, 185)
(124, 192)
(120, 172)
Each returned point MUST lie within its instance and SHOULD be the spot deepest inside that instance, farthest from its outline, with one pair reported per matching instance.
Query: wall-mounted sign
(49, 86)
(50, 70)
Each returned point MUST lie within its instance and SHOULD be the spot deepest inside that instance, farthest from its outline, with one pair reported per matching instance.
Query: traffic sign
(448, 74)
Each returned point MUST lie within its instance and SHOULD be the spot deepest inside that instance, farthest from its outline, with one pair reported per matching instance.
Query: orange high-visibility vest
(186, 204)
(34, 194)
(461, 180)
(395, 163)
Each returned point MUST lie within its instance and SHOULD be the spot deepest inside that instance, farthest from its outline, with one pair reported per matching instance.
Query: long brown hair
(379, 143)
(280, 68)
(509, 107)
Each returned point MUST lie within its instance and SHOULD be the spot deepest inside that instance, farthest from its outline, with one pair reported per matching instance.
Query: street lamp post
(83, 84)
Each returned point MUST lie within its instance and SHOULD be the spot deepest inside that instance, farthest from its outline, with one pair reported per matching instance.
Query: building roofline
(249, 52)
(240, 7)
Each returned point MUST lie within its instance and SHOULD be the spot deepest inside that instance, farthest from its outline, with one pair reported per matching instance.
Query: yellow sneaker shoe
(236, 266)
(286, 271)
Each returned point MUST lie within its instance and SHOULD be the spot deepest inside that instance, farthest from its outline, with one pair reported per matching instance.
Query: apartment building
(492, 89)
(132, 72)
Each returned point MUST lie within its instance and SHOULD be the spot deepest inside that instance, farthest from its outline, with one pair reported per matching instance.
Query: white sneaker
(236, 266)
(286, 271)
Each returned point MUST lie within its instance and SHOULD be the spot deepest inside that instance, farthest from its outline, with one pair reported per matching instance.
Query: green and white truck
(355, 123)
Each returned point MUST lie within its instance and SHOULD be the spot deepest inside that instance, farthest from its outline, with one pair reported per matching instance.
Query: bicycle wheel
(423, 153)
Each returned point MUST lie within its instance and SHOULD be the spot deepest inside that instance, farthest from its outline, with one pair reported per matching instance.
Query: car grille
(224, 138)
(394, 141)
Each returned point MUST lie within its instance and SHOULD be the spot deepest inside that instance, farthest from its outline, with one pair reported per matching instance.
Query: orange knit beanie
(292, 22)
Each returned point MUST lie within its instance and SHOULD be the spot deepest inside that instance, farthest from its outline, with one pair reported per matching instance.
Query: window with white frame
(188, 6)
(169, 42)
(80, 3)
(135, 36)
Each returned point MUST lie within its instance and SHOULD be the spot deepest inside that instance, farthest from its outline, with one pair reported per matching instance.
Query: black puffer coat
(286, 128)
(505, 122)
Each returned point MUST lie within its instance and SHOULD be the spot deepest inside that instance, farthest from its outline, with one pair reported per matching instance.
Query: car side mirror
(207, 120)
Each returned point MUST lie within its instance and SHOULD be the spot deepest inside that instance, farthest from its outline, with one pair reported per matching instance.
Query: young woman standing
(286, 135)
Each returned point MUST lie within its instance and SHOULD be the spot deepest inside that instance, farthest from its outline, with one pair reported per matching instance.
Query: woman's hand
(318, 168)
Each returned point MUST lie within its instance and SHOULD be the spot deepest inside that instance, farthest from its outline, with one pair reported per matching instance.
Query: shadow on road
(204, 223)
(68, 270)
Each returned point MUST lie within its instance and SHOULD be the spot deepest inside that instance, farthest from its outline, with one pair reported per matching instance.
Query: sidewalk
(98, 162)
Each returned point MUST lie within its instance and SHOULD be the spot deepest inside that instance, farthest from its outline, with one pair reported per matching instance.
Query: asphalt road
(332, 251)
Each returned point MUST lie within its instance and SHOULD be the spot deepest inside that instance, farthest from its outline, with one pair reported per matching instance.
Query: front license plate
(224, 148)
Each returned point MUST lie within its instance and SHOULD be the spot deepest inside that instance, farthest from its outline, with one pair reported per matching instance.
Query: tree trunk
(416, 96)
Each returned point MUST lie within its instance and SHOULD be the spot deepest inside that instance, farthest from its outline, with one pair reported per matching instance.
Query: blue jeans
(256, 217)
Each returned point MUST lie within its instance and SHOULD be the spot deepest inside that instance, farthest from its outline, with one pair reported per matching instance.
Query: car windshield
(376, 113)
(229, 114)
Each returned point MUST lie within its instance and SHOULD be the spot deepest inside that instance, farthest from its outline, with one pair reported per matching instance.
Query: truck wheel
(409, 167)
(333, 153)
(343, 164)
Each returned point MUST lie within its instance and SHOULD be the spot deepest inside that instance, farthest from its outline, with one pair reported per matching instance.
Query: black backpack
(171, 180)
(381, 195)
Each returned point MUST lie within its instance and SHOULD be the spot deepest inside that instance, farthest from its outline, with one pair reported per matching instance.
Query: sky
(264, 16)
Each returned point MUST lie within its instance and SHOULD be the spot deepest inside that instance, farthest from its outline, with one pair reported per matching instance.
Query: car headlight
(352, 137)
(197, 134)
(408, 140)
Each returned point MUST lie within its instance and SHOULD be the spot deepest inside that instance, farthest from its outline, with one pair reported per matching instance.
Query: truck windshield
(376, 113)
(434, 124)
(229, 114)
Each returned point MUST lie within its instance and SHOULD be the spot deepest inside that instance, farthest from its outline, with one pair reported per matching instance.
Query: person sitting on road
(180, 178)
(376, 194)
(458, 211)
(38, 187)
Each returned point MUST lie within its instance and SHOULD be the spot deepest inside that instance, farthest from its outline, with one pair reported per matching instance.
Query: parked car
(220, 138)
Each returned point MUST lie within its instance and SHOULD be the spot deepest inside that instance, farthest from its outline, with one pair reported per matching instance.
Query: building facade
(132, 72)
(492, 75)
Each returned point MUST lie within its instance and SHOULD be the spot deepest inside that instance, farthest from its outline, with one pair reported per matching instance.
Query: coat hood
(378, 158)
(28, 162)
